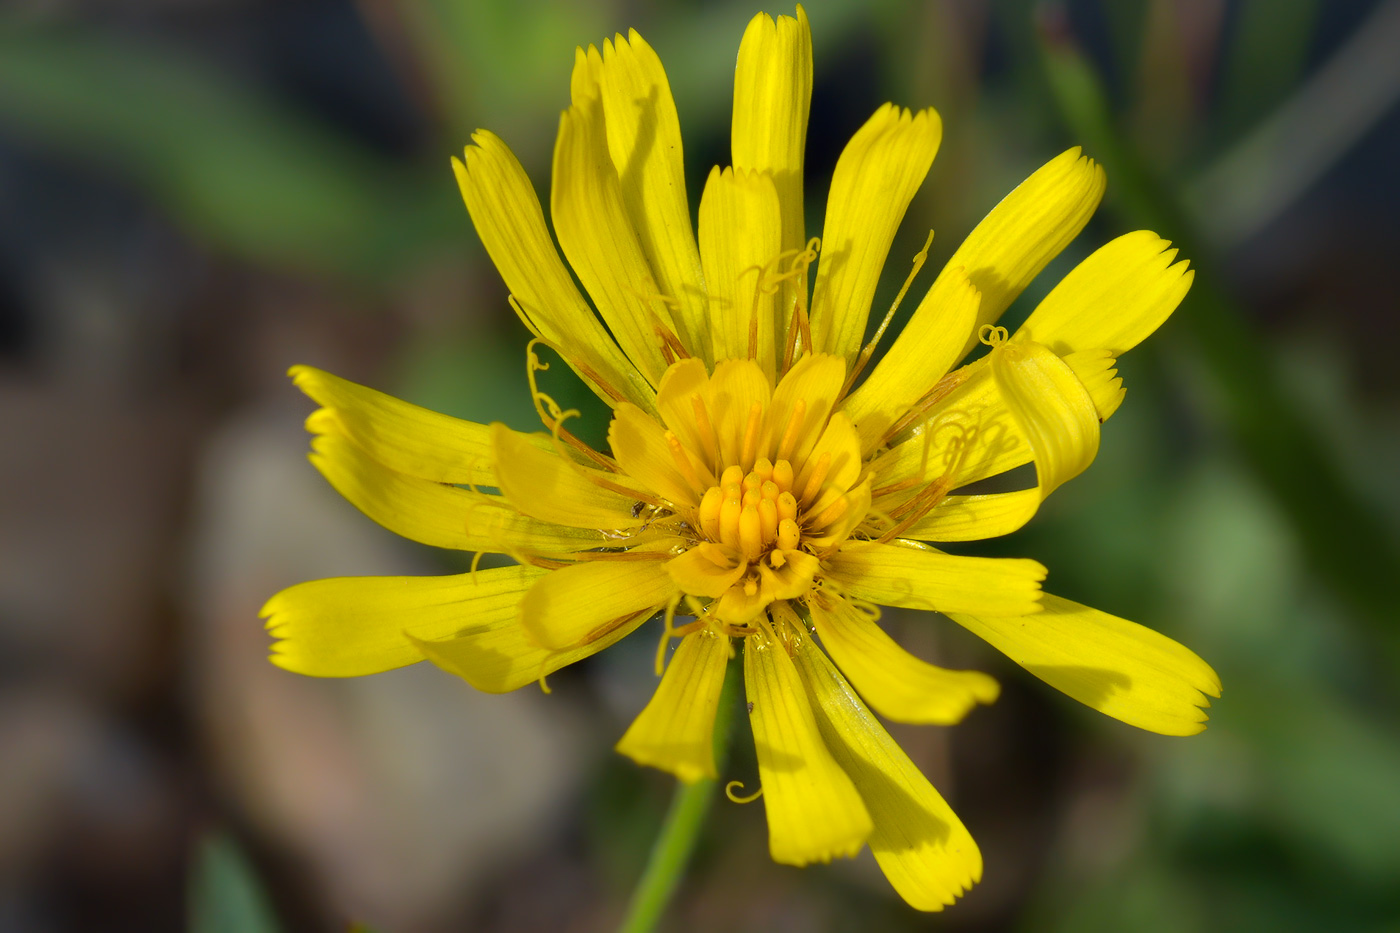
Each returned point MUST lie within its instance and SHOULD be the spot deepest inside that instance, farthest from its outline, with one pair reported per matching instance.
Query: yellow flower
(754, 483)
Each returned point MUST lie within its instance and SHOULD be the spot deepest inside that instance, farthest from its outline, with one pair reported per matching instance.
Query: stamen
(768, 519)
(710, 507)
(869, 348)
(992, 335)
(752, 481)
(750, 449)
(733, 798)
(818, 476)
(788, 534)
(794, 426)
(706, 430)
(787, 506)
(750, 534)
(782, 475)
(685, 464)
(799, 323)
(770, 490)
(554, 418)
(729, 522)
(831, 513)
(764, 468)
(938, 393)
(667, 627)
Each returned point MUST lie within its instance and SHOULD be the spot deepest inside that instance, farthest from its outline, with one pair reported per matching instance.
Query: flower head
(761, 489)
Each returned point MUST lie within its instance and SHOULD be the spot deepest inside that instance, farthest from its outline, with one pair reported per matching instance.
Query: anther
(683, 462)
(770, 490)
(752, 481)
(818, 476)
(768, 519)
(787, 507)
(794, 427)
(733, 476)
(764, 468)
(831, 513)
(706, 429)
(750, 449)
(782, 475)
(729, 522)
(752, 498)
(788, 534)
(710, 507)
(750, 534)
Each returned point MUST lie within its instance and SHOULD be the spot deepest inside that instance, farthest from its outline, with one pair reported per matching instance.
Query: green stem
(675, 843)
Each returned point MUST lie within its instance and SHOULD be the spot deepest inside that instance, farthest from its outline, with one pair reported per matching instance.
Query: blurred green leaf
(232, 165)
(225, 895)
(1265, 58)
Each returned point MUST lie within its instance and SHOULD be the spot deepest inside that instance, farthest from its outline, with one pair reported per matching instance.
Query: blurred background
(196, 194)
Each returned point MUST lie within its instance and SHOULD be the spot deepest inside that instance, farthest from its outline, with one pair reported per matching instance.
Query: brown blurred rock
(399, 791)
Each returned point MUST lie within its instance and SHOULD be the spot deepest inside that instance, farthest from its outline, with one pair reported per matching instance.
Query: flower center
(752, 513)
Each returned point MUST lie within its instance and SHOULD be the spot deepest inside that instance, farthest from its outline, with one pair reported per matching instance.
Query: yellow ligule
(350, 626)
(875, 179)
(576, 604)
(918, 842)
(1118, 667)
(897, 684)
(814, 811)
(923, 578)
(675, 732)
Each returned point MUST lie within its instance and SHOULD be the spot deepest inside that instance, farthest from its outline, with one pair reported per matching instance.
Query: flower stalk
(675, 842)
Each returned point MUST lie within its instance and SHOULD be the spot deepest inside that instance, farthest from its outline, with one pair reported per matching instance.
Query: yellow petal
(735, 388)
(919, 843)
(708, 569)
(977, 416)
(491, 651)
(639, 444)
(675, 732)
(790, 581)
(644, 139)
(578, 603)
(1097, 372)
(1114, 299)
(1118, 667)
(435, 514)
(814, 812)
(349, 626)
(875, 179)
(923, 578)
(401, 436)
(740, 234)
(975, 518)
(916, 360)
(595, 232)
(540, 483)
(1021, 234)
(1055, 413)
(815, 381)
(857, 510)
(897, 684)
(841, 441)
(508, 218)
(772, 95)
